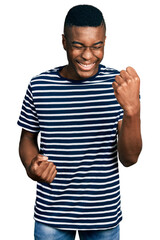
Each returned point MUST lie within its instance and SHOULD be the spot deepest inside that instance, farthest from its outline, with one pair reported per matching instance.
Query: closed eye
(78, 46)
(96, 47)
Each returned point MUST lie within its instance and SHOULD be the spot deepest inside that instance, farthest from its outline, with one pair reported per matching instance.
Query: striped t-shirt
(77, 121)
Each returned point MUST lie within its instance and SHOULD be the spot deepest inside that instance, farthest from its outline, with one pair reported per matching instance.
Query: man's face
(85, 50)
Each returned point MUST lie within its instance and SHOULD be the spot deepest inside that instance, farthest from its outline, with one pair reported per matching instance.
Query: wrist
(30, 172)
(132, 111)
(30, 175)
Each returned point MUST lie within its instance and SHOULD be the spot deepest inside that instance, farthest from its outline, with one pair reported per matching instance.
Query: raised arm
(126, 88)
(37, 166)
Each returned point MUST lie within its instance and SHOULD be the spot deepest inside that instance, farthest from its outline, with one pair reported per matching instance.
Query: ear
(64, 41)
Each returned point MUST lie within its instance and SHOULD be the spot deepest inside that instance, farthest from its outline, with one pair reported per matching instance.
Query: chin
(86, 74)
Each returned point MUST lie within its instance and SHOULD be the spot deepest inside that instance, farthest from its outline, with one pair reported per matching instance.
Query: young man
(79, 109)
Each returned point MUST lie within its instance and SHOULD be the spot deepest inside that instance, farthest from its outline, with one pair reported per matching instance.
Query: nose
(87, 53)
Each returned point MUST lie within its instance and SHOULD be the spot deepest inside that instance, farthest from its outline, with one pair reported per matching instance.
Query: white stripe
(28, 119)
(91, 161)
(80, 184)
(46, 74)
(85, 172)
(31, 110)
(66, 185)
(30, 104)
(78, 201)
(78, 114)
(75, 102)
(74, 96)
(86, 166)
(106, 75)
(75, 218)
(78, 224)
(77, 195)
(80, 120)
(80, 207)
(105, 69)
(29, 114)
(79, 213)
(32, 126)
(77, 138)
(74, 149)
(73, 90)
(74, 132)
(84, 177)
(74, 144)
(78, 108)
(80, 155)
(28, 90)
(67, 85)
(79, 126)
(27, 96)
(89, 166)
(75, 189)
(57, 82)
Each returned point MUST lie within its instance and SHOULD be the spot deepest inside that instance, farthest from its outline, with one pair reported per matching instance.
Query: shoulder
(107, 74)
(45, 76)
(108, 70)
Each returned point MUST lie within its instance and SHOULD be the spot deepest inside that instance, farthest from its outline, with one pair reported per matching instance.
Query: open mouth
(86, 67)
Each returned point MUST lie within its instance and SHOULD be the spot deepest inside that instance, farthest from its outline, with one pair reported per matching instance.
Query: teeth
(87, 66)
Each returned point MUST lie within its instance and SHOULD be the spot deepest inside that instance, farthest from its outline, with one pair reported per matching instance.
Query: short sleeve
(28, 116)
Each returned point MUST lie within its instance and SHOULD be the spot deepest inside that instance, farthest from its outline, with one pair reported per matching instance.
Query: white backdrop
(31, 43)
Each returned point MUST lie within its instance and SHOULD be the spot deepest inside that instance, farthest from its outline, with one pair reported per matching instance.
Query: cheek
(72, 55)
(100, 54)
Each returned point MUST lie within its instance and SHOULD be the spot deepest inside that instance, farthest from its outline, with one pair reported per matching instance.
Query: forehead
(86, 34)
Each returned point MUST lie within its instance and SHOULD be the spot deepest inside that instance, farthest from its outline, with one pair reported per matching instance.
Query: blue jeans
(45, 232)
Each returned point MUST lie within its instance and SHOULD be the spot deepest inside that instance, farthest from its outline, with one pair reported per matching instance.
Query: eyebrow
(76, 42)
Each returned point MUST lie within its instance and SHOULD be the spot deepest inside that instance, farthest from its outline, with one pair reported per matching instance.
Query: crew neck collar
(77, 81)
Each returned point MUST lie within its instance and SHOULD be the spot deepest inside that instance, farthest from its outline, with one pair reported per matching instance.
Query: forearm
(129, 140)
(28, 148)
(126, 89)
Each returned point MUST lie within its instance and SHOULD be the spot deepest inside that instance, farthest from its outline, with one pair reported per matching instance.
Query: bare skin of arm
(37, 166)
(129, 140)
(126, 88)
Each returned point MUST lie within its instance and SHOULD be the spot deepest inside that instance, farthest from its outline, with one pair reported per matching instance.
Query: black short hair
(84, 16)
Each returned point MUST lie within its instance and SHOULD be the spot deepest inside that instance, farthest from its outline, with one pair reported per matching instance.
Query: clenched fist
(126, 88)
(41, 169)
